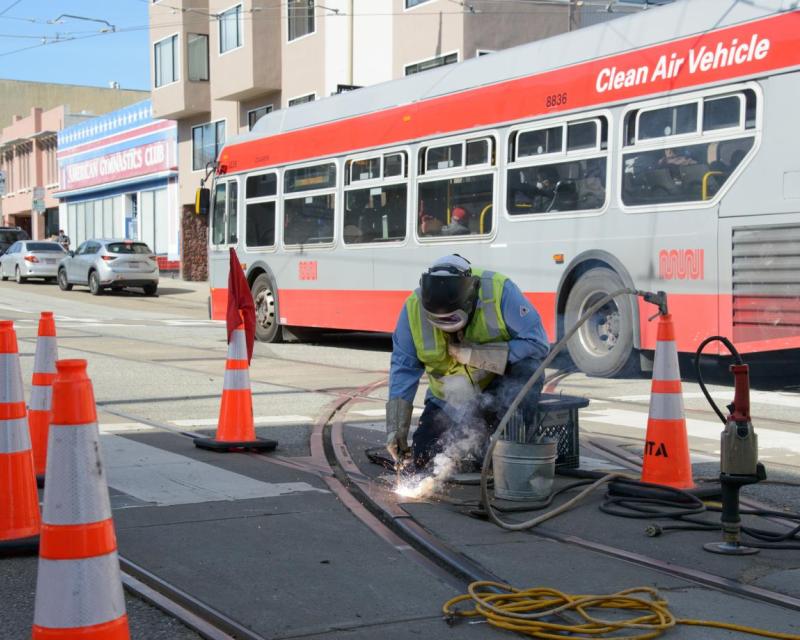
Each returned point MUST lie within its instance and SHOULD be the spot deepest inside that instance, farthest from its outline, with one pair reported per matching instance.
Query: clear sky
(77, 51)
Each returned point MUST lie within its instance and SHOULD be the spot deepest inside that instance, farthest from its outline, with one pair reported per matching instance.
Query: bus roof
(649, 27)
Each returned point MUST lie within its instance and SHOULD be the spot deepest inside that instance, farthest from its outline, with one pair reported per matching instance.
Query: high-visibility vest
(486, 325)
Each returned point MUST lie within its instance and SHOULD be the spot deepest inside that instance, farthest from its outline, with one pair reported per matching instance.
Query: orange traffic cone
(235, 429)
(666, 451)
(78, 587)
(44, 370)
(19, 502)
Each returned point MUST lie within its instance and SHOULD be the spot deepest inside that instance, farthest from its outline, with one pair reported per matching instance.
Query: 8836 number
(555, 100)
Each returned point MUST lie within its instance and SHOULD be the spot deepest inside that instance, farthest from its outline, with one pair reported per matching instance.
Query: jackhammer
(739, 465)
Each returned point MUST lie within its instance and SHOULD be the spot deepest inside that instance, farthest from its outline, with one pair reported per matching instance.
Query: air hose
(531, 612)
(660, 300)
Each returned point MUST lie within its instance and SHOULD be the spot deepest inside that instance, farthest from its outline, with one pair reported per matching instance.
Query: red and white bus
(658, 151)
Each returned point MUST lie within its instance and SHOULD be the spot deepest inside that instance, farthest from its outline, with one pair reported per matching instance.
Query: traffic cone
(235, 429)
(19, 502)
(78, 587)
(666, 451)
(44, 370)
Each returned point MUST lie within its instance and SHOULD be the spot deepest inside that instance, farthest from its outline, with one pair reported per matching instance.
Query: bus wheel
(266, 301)
(603, 346)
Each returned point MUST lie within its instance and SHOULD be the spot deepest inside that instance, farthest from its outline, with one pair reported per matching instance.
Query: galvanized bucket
(524, 471)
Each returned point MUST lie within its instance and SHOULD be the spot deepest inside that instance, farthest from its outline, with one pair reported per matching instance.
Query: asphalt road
(157, 365)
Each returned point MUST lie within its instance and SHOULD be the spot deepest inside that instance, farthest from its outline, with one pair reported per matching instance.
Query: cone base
(19, 547)
(212, 444)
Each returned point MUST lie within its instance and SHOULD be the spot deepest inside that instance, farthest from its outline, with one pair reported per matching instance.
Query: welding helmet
(448, 292)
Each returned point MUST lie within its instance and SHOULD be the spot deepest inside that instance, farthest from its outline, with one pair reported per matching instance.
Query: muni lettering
(650, 449)
(681, 264)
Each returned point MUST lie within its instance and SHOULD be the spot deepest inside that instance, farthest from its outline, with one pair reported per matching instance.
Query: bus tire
(265, 297)
(603, 346)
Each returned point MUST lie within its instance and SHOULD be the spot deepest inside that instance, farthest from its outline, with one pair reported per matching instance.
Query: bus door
(223, 234)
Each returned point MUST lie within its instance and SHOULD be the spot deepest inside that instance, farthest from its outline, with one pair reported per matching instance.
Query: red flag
(241, 309)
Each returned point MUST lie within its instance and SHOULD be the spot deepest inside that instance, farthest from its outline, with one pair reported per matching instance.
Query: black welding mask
(448, 293)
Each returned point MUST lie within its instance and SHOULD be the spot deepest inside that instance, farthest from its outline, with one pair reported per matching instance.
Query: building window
(254, 115)
(438, 61)
(166, 60)
(207, 140)
(230, 29)
(301, 18)
(414, 3)
(309, 98)
(197, 50)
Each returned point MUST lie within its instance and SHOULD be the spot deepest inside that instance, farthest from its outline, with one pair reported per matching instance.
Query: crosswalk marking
(781, 441)
(258, 420)
(725, 396)
(163, 478)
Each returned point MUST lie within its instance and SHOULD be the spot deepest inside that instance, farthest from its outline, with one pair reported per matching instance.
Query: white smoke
(464, 441)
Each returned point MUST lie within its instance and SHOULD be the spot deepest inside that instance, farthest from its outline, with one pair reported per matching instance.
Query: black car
(10, 235)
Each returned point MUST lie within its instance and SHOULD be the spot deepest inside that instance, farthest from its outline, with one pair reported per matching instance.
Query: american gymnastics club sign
(122, 165)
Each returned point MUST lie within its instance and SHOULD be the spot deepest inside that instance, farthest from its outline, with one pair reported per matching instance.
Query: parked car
(10, 235)
(31, 259)
(110, 264)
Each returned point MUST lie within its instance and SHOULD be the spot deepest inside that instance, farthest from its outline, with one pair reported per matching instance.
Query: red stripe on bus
(527, 97)
(695, 317)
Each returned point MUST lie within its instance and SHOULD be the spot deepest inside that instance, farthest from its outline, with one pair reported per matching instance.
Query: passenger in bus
(459, 223)
(429, 225)
(479, 340)
(677, 156)
(536, 196)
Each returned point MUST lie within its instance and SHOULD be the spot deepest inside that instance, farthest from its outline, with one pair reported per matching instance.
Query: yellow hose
(524, 611)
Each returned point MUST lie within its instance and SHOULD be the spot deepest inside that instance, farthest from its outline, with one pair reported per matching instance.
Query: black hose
(700, 381)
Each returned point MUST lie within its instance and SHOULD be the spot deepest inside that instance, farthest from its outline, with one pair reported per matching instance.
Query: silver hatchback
(110, 264)
(31, 259)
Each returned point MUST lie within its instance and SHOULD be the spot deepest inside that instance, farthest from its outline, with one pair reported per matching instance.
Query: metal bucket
(523, 471)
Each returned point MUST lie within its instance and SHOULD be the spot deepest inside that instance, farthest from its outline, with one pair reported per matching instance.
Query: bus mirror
(202, 201)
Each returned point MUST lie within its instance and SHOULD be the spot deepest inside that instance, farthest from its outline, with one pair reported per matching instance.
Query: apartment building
(219, 65)
(31, 115)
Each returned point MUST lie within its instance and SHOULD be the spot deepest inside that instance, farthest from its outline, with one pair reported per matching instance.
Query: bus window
(394, 165)
(261, 186)
(308, 219)
(376, 214)
(667, 121)
(542, 141)
(233, 212)
(218, 215)
(722, 113)
(446, 157)
(582, 135)
(260, 224)
(367, 169)
(688, 173)
(457, 206)
(477, 152)
(260, 213)
(563, 186)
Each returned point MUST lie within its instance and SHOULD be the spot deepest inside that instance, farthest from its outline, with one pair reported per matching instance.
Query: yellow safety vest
(486, 325)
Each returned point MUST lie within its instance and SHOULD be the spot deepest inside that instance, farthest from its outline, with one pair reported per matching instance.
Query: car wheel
(150, 289)
(265, 297)
(94, 284)
(63, 283)
(18, 276)
(603, 346)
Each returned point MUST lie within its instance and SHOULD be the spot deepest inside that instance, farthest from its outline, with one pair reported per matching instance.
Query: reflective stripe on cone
(79, 588)
(666, 458)
(19, 500)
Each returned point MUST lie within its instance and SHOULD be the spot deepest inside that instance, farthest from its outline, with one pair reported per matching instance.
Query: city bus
(657, 151)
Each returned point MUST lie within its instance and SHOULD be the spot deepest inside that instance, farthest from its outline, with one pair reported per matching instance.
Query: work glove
(492, 356)
(398, 422)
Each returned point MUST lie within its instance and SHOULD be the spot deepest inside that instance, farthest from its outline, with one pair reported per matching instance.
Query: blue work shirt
(524, 325)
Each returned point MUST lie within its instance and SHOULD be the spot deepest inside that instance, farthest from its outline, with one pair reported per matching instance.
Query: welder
(479, 340)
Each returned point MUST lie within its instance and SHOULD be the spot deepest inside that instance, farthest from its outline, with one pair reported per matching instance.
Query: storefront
(119, 179)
